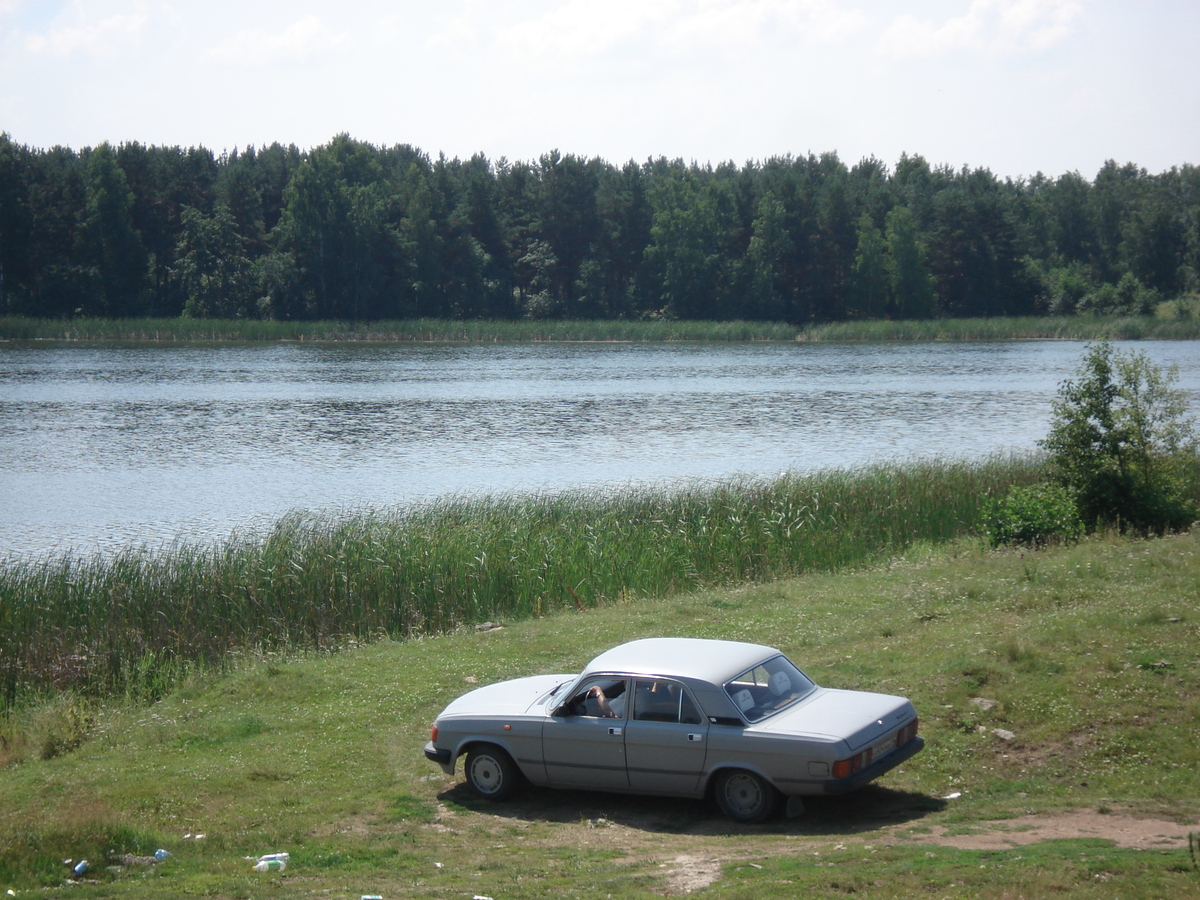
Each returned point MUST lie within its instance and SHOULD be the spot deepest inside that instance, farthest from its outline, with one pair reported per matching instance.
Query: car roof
(709, 660)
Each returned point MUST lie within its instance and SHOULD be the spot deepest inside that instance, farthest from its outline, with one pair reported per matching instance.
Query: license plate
(882, 748)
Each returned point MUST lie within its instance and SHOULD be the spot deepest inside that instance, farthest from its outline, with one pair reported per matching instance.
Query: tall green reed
(1080, 328)
(413, 330)
(1063, 328)
(134, 621)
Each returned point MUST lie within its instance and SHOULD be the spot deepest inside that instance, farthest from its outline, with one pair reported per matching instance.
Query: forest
(352, 231)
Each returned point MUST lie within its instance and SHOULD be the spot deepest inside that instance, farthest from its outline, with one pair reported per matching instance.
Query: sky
(1014, 86)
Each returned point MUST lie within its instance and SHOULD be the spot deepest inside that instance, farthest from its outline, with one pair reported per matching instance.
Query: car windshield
(767, 688)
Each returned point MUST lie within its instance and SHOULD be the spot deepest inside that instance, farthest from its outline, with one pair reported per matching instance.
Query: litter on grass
(271, 862)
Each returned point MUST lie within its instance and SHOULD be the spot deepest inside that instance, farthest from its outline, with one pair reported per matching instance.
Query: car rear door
(666, 739)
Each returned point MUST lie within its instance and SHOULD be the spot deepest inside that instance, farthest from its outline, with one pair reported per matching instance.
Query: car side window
(664, 701)
(689, 714)
(601, 698)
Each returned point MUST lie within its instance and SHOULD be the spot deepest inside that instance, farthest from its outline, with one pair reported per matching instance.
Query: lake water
(111, 447)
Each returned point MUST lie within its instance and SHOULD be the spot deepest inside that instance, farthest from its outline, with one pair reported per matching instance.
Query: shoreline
(157, 332)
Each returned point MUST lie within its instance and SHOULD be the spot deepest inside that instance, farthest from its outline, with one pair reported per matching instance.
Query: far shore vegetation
(351, 231)
(182, 330)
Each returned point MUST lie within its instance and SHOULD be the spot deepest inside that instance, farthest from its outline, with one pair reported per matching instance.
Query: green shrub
(1033, 515)
(1122, 442)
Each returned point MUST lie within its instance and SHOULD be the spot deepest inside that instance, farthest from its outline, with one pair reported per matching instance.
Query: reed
(167, 331)
(135, 621)
(1023, 328)
(190, 331)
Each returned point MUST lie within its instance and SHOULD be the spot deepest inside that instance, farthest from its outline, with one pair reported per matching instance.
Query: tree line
(349, 230)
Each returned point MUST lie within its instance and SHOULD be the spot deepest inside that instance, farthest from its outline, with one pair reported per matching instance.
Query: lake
(102, 448)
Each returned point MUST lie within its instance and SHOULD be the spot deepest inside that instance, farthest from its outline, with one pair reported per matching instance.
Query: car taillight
(907, 733)
(433, 734)
(843, 768)
(846, 767)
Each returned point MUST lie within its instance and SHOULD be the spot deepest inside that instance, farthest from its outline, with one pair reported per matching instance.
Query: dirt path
(1123, 829)
(691, 844)
(691, 872)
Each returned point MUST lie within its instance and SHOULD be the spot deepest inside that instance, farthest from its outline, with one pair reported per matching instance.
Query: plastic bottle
(270, 865)
(80, 867)
(160, 854)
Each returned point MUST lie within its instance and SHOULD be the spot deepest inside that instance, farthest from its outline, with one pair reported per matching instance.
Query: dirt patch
(440, 819)
(688, 873)
(691, 873)
(685, 845)
(1122, 829)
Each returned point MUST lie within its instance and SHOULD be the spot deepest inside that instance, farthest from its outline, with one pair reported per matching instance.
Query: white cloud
(582, 30)
(745, 22)
(105, 39)
(307, 40)
(992, 27)
(570, 31)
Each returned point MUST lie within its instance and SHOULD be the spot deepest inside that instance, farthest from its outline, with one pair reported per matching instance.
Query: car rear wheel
(746, 797)
(491, 773)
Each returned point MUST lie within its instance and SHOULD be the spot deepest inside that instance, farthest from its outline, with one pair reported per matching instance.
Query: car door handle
(615, 730)
(695, 737)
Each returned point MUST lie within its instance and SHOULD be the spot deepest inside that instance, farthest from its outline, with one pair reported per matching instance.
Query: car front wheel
(491, 773)
(746, 797)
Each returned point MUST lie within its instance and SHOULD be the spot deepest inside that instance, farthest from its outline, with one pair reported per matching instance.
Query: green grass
(138, 621)
(1168, 326)
(319, 754)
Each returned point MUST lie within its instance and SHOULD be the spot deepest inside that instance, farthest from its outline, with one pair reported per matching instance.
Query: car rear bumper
(873, 771)
(441, 756)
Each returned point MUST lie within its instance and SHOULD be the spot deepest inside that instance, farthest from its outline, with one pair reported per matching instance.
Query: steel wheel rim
(744, 794)
(486, 774)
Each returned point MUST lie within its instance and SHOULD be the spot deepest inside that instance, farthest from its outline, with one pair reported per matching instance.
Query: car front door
(666, 739)
(583, 743)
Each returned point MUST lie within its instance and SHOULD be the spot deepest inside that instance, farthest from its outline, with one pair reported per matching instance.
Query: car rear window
(767, 688)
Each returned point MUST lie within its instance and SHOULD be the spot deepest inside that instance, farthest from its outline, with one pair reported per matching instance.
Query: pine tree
(914, 290)
(869, 292)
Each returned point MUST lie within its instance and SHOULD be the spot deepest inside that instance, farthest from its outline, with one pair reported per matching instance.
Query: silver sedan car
(677, 717)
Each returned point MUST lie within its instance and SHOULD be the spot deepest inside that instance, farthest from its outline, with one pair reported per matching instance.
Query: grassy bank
(1089, 653)
(136, 621)
(14, 328)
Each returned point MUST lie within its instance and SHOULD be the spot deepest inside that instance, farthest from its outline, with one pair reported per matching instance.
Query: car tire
(491, 773)
(745, 797)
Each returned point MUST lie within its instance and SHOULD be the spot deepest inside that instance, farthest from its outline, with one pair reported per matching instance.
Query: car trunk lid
(856, 717)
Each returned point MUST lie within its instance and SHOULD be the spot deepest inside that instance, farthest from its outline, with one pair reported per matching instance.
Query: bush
(1121, 442)
(1033, 515)
(1128, 297)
